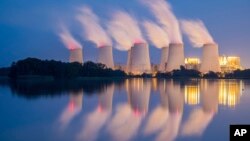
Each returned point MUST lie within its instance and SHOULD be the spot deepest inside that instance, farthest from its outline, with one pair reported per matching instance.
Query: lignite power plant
(125, 33)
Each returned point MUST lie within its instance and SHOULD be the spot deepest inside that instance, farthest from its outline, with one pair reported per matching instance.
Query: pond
(123, 110)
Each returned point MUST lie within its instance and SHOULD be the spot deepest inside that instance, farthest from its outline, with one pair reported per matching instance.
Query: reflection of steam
(197, 33)
(93, 124)
(175, 103)
(159, 116)
(201, 117)
(96, 120)
(92, 28)
(124, 124)
(125, 30)
(197, 123)
(74, 107)
(69, 41)
(166, 17)
(156, 35)
(171, 129)
(156, 120)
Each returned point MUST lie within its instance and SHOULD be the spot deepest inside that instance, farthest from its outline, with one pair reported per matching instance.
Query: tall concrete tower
(210, 58)
(76, 55)
(175, 57)
(105, 56)
(139, 60)
(164, 59)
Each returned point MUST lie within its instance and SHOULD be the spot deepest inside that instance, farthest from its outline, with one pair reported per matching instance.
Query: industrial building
(226, 63)
(230, 63)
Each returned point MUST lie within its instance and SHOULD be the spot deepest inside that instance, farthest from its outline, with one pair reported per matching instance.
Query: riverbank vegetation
(32, 68)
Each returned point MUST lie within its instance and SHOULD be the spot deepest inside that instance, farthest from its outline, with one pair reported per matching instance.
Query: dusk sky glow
(29, 28)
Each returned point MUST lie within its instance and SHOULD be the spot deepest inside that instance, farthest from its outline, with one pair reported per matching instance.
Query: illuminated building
(230, 63)
(227, 63)
(192, 63)
(230, 92)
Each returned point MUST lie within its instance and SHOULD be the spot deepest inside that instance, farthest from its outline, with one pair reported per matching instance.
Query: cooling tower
(76, 55)
(210, 58)
(105, 56)
(175, 57)
(139, 61)
(164, 59)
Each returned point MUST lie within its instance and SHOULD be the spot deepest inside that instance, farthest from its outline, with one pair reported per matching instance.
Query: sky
(29, 28)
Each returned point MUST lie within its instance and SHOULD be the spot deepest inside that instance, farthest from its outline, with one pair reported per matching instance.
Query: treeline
(32, 68)
(60, 70)
(239, 74)
(190, 73)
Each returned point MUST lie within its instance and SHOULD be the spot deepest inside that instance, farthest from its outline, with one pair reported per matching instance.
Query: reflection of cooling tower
(175, 95)
(76, 55)
(139, 61)
(210, 58)
(106, 97)
(163, 94)
(76, 98)
(209, 95)
(105, 56)
(139, 93)
(175, 57)
(164, 59)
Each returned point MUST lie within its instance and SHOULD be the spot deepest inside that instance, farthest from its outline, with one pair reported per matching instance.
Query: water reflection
(132, 109)
(73, 108)
(200, 117)
(128, 116)
(95, 120)
(175, 104)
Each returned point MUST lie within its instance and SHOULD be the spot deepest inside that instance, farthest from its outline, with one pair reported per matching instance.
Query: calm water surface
(129, 110)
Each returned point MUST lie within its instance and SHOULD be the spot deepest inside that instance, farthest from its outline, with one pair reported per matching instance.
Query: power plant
(210, 58)
(164, 59)
(105, 56)
(138, 59)
(175, 57)
(76, 55)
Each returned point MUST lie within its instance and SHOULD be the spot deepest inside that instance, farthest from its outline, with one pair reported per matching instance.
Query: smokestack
(164, 59)
(210, 58)
(175, 57)
(76, 55)
(105, 56)
(139, 61)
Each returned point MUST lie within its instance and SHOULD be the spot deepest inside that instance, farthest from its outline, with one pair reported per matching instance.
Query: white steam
(157, 36)
(68, 40)
(165, 16)
(196, 32)
(125, 30)
(93, 31)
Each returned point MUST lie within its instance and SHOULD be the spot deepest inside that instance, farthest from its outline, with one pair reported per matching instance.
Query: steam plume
(196, 32)
(156, 34)
(68, 40)
(163, 12)
(93, 31)
(125, 30)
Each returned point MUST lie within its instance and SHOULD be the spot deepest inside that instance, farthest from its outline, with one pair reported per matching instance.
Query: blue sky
(28, 28)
